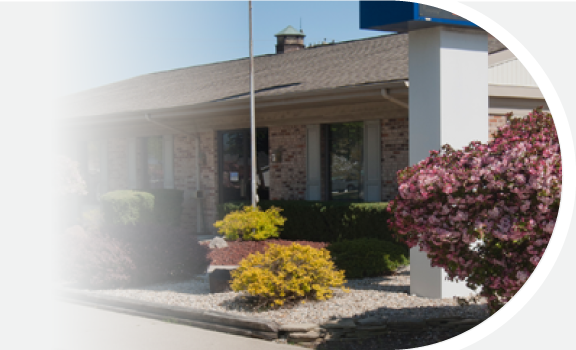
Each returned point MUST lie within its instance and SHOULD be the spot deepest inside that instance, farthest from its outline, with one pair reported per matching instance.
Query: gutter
(386, 94)
(198, 195)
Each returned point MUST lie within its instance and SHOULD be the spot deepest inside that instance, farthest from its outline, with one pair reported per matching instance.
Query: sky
(103, 42)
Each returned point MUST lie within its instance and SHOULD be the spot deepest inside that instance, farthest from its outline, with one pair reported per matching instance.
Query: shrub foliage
(288, 274)
(368, 257)
(127, 207)
(487, 212)
(130, 255)
(251, 224)
(327, 221)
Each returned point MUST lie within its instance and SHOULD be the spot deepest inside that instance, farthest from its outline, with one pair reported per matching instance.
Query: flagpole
(252, 112)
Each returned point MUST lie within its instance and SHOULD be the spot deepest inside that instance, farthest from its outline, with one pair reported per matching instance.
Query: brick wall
(288, 177)
(494, 122)
(394, 154)
(185, 177)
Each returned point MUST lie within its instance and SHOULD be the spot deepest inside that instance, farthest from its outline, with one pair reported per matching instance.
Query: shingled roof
(378, 59)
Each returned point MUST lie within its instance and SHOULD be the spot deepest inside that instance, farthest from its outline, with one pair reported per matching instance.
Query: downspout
(198, 195)
(386, 95)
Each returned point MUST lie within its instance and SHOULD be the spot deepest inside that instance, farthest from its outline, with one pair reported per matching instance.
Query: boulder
(298, 327)
(220, 281)
(218, 242)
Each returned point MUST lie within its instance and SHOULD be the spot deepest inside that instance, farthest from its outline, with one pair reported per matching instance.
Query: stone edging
(338, 329)
(350, 329)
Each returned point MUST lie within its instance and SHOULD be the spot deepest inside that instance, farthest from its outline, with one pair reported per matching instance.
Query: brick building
(332, 124)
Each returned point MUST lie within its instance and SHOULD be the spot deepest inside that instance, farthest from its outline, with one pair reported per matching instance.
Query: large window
(345, 146)
(153, 162)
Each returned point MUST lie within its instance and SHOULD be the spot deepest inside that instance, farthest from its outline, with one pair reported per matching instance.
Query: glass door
(235, 165)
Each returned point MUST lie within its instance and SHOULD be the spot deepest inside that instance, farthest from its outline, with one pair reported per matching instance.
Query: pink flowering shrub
(487, 212)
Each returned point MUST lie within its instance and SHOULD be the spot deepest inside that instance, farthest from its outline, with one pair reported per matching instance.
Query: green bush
(167, 205)
(127, 207)
(326, 221)
(368, 257)
(251, 224)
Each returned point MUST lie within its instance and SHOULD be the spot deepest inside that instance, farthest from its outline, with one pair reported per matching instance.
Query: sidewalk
(86, 328)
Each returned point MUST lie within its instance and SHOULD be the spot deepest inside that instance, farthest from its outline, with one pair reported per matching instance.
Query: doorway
(235, 161)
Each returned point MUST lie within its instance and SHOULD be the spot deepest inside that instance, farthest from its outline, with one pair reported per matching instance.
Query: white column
(313, 169)
(372, 161)
(448, 105)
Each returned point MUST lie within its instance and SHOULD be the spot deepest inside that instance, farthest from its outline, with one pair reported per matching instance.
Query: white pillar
(313, 190)
(448, 105)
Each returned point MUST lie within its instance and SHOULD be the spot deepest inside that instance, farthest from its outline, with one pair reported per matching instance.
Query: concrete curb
(211, 320)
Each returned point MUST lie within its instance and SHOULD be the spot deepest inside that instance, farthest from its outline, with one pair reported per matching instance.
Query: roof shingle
(379, 59)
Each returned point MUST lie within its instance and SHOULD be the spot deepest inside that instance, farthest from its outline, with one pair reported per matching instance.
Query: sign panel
(402, 16)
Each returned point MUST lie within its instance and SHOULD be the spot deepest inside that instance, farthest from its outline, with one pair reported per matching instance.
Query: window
(345, 147)
(93, 168)
(153, 162)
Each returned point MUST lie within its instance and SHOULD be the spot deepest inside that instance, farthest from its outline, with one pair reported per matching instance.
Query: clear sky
(100, 43)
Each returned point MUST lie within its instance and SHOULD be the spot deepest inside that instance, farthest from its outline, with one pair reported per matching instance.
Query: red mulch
(238, 250)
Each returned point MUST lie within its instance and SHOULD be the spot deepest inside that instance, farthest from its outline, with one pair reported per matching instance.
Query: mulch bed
(238, 250)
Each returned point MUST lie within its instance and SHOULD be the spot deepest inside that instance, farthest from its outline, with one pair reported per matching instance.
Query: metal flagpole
(252, 112)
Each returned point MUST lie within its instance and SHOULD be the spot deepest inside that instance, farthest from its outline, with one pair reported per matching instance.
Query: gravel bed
(367, 297)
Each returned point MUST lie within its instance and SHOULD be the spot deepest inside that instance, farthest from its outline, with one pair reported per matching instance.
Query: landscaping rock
(345, 323)
(220, 281)
(372, 321)
(298, 327)
(218, 242)
(312, 335)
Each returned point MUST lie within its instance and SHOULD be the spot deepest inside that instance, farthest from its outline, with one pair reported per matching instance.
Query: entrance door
(235, 165)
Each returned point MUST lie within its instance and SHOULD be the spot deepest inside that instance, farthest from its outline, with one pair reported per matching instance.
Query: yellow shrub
(288, 273)
(251, 224)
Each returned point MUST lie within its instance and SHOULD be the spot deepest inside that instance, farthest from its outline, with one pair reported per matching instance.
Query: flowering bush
(485, 213)
(69, 180)
(114, 257)
(288, 274)
(251, 224)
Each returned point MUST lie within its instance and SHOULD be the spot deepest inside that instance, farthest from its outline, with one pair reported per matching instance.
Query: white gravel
(367, 297)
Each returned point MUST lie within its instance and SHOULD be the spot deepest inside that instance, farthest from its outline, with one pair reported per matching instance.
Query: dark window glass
(236, 165)
(346, 161)
(154, 162)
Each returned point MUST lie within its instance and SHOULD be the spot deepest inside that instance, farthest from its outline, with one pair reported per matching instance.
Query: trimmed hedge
(124, 256)
(326, 221)
(127, 207)
(167, 205)
(368, 257)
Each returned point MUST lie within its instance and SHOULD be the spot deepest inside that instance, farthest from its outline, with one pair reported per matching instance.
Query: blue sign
(402, 16)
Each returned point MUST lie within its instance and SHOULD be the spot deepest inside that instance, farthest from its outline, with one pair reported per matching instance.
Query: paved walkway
(86, 328)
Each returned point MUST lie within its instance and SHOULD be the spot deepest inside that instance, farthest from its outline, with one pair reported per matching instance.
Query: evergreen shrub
(327, 221)
(288, 274)
(127, 207)
(368, 257)
(251, 224)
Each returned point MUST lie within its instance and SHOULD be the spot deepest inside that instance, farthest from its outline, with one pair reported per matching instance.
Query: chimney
(289, 40)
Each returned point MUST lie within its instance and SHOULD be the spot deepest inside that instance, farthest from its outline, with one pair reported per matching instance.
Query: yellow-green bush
(288, 274)
(251, 224)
